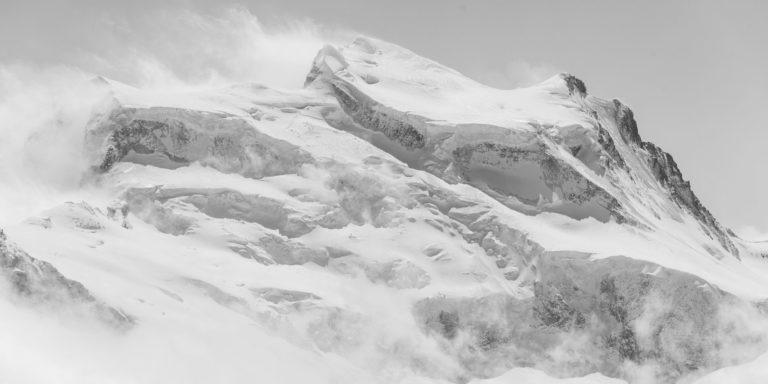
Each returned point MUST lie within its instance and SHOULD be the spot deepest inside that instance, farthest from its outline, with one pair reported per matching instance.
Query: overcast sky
(694, 72)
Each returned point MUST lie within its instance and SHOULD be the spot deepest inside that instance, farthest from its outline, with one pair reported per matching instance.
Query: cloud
(752, 233)
(171, 48)
(44, 109)
(42, 115)
(517, 73)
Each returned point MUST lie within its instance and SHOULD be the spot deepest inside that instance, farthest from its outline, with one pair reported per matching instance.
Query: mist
(44, 109)
(220, 330)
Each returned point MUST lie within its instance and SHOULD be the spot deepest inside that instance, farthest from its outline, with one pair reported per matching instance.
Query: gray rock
(38, 283)
(172, 138)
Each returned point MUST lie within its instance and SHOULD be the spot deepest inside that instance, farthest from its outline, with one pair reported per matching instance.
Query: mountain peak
(575, 85)
(441, 113)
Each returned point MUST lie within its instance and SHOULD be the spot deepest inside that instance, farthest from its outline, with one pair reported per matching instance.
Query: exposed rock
(276, 295)
(552, 309)
(606, 141)
(172, 138)
(625, 121)
(663, 167)
(668, 174)
(38, 283)
(575, 85)
(608, 312)
(397, 126)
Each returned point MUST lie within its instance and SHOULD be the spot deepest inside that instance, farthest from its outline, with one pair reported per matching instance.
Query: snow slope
(393, 221)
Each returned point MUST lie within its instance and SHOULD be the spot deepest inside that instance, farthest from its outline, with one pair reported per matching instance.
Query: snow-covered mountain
(391, 222)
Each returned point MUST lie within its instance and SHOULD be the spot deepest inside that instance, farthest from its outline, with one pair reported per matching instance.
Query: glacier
(393, 221)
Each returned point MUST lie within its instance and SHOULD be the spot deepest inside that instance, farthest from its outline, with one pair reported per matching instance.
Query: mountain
(392, 222)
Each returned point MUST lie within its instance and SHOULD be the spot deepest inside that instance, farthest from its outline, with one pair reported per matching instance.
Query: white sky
(694, 72)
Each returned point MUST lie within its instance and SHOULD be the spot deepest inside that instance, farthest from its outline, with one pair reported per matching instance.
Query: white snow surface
(344, 315)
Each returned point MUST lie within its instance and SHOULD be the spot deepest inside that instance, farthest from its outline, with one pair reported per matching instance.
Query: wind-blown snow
(324, 265)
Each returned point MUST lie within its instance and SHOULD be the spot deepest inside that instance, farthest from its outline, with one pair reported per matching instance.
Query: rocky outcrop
(606, 313)
(625, 121)
(172, 138)
(668, 174)
(605, 140)
(574, 84)
(396, 126)
(38, 283)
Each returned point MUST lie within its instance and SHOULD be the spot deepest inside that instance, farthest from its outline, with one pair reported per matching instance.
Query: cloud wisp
(44, 109)
(517, 73)
(182, 48)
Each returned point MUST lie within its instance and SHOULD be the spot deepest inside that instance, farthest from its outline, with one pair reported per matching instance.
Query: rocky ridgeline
(171, 138)
(603, 315)
(584, 198)
(667, 173)
(38, 283)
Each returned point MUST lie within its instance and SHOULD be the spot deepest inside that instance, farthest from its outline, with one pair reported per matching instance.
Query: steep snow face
(391, 222)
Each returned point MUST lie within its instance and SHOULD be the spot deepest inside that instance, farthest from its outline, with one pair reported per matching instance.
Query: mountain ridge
(395, 221)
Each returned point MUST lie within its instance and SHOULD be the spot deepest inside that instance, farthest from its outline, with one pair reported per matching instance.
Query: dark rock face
(394, 125)
(144, 137)
(607, 312)
(575, 85)
(668, 174)
(605, 140)
(625, 120)
(665, 170)
(38, 283)
(172, 138)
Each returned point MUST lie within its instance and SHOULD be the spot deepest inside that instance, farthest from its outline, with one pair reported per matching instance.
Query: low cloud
(173, 48)
(517, 73)
(752, 233)
(42, 115)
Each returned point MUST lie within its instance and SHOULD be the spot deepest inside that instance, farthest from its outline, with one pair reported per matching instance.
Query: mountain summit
(392, 222)
(551, 147)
